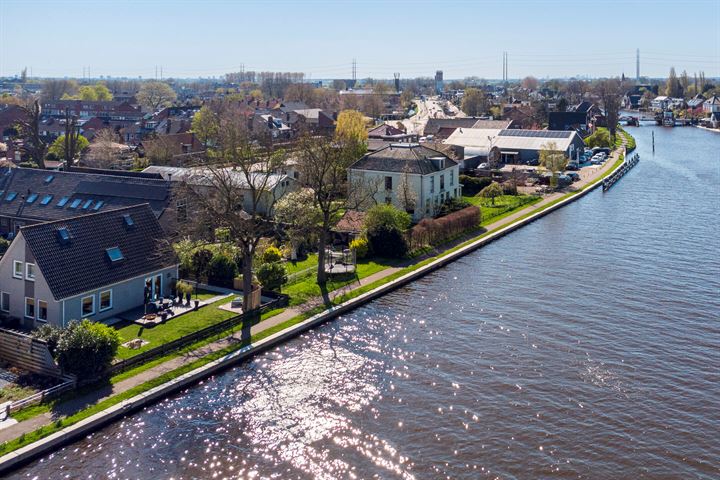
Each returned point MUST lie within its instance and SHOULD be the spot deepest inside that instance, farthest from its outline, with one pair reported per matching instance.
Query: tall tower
(397, 82)
(637, 66)
(354, 71)
(439, 82)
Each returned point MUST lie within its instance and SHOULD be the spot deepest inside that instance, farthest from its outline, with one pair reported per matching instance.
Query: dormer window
(63, 235)
(114, 254)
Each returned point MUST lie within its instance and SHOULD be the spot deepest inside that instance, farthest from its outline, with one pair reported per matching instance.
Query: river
(585, 345)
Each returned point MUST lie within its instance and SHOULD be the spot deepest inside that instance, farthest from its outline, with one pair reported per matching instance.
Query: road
(431, 107)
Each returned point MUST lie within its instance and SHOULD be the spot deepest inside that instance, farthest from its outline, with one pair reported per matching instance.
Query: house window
(42, 311)
(5, 302)
(29, 307)
(18, 269)
(432, 184)
(388, 183)
(88, 306)
(30, 272)
(452, 178)
(442, 182)
(105, 300)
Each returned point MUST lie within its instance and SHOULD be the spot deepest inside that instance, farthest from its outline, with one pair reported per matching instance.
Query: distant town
(141, 219)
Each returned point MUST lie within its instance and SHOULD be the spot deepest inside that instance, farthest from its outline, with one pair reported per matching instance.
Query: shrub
(272, 275)
(221, 271)
(50, 334)
(360, 245)
(491, 191)
(201, 263)
(183, 288)
(86, 348)
(601, 138)
(271, 254)
(388, 216)
(473, 185)
(452, 205)
(387, 242)
(4, 245)
(434, 231)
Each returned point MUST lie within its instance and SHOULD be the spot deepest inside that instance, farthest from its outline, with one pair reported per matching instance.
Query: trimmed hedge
(435, 231)
(473, 185)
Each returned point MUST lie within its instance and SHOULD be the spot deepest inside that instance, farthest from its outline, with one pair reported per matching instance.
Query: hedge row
(435, 231)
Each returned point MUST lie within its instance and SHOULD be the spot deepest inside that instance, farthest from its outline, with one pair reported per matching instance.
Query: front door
(153, 288)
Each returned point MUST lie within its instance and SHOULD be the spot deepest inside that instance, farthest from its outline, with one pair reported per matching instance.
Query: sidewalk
(81, 402)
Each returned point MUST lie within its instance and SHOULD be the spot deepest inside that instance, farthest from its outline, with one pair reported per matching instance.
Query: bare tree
(406, 194)
(34, 144)
(72, 132)
(235, 192)
(611, 93)
(323, 166)
(104, 150)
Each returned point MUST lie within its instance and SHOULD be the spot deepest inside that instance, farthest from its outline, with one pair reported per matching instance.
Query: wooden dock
(618, 174)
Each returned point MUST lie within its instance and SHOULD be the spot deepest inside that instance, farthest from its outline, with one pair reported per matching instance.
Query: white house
(409, 173)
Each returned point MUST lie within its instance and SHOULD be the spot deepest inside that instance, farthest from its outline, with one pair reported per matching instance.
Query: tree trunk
(247, 281)
(322, 243)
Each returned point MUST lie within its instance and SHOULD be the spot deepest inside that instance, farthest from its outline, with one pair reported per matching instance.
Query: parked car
(533, 162)
(573, 166)
(573, 176)
(483, 166)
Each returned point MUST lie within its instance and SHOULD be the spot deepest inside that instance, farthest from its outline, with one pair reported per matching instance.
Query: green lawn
(295, 267)
(172, 329)
(504, 204)
(307, 288)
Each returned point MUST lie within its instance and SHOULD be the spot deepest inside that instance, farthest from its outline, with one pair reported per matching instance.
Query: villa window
(29, 307)
(18, 269)
(442, 182)
(432, 184)
(388, 183)
(5, 302)
(30, 272)
(88, 306)
(452, 178)
(42, 311)
(105, 300)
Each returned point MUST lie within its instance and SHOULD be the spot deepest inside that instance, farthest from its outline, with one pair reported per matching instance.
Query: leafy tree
(201, 263)
(272, 275)
(600, 138)
(86, 348)
(351, 129)
(611, 92)
(155, 95)
(385, 215)
(552, 160)
(54, 88)
(474, 102)
(58, 146)
(672, 85)
(529, 83)
(491, 191)
(90, 93)
(271, 254)
(205, 124)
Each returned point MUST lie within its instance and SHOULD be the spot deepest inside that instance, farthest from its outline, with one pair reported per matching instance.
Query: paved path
(83, 401)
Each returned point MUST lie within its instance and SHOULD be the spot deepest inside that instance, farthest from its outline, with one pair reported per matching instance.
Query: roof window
(32, 197)
(75, 203)
(87, 204)
(63, 235)
(98, 205)
(11, 196)
(114, 254)
(129, 222)
(46, 199)
(63, 201)
(49, 179)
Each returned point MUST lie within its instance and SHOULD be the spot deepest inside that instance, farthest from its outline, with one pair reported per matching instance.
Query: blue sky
(549, 38)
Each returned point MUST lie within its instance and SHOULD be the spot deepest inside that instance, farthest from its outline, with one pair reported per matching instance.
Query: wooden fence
(22, 350)
(69, 383)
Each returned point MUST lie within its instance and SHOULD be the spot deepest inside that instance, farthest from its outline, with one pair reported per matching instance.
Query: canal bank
(356, 298)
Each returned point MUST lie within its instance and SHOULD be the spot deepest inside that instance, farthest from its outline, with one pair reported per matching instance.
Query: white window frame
(25, 308)
(15, 269)
(29, 266)
(100, 307)
(37, 311)
(2, 307)
(82, 301)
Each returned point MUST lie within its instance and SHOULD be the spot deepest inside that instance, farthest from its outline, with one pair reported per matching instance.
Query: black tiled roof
(433, 125)
(404, 157)
(113, 190)
(82, 264)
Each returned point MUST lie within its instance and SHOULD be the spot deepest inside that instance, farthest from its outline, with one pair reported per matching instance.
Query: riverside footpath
(80, 402)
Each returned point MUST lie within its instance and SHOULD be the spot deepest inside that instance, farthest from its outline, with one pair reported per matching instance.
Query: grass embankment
(61, 423)
(504, 205)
